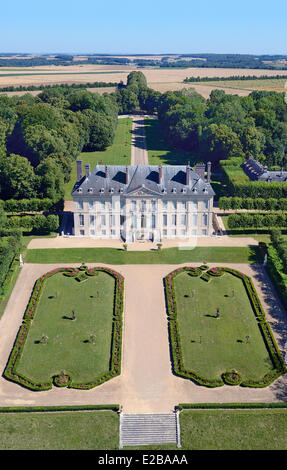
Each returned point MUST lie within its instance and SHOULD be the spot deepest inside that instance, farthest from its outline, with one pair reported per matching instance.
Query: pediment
(143, 191)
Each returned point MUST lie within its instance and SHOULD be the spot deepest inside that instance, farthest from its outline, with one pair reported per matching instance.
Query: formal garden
(218, 330)
(71, 330)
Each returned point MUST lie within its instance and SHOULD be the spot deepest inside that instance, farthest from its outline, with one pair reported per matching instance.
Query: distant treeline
(234, 77)
(196, 60)
(62, 85)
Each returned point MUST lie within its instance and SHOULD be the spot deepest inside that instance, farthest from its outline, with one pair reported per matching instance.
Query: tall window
(91, 204)
(183, 219)
(103, 219)
(204, 219)
(143, 205)
(134, 221)
(134, 205)
(153, 221)
(164, 205)
(92, 220)
(173, 219)
(81, 220)
(194, 219)
(80, 205)
(112, 220)
(153, 205)
(164, 220)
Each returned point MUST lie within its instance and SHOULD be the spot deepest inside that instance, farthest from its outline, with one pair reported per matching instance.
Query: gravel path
(146, 384)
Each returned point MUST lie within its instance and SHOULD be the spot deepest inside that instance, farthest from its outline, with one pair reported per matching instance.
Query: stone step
(141, 429)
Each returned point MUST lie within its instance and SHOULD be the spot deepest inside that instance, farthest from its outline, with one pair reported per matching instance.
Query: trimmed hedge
(11, 373)
(51, 409)
(211, 406)
(257, 220)
(228, 377)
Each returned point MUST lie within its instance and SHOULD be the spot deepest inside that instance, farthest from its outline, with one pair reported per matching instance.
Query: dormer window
(194, 190)
(174, 190)
(121, 190)
(102, 190)
(164, 190)
(90, 190)
(111, 190)
(80, 190)
(184, 190)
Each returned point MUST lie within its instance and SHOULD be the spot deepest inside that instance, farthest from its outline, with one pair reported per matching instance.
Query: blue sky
(146, 26)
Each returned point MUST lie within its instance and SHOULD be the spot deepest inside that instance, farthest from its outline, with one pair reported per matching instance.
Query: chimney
(87, 170)
(106, 171)
(200, 169)
(127, 175)
(79, 170)
(208, 172)
(187, 179)
(160, 174)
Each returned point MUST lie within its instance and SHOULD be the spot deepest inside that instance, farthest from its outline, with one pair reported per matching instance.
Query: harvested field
(158, 78)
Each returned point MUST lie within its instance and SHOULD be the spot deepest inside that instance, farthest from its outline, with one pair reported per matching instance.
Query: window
(81, 220)
(205, 204)
(80, 205)
(112, 220)
(204, 219)
(153, 221)
(113, 232)
(91, 204)
(134, 221)
(173, 232)
(134, 205)
(122, 203)
(143, 205)
(92, 232)
(183, 205)
(174, 204)
(183, 219)
(92, 220)
(164, 205)
(143, 221)
(173, 219)
(194, 206)
(82, 232)
(104, 232)
(194, 219)
(153, 205)
(183, 233)
(102, 205)
(164, 220)
(103, 219)
(122, 220)
(204, 232)
(164, 232)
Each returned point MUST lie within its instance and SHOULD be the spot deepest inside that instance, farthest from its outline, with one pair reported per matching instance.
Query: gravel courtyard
(146, 384)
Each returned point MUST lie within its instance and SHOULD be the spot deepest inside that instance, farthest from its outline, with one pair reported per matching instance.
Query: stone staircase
(145, 429)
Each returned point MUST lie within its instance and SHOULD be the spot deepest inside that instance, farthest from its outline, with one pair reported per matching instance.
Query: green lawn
(165, 256)
(262, 429)
(68, 347)
(159, 153)
(212, 346)
(119, 153)
(81, 430)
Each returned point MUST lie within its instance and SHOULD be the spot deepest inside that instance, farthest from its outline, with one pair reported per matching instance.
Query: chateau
(143, 202)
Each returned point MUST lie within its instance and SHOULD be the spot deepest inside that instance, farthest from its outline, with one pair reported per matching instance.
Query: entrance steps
(145, 429)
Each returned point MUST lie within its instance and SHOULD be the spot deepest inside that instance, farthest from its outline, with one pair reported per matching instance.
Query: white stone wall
(142, 217)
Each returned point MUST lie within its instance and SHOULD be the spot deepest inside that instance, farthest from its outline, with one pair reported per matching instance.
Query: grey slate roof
(258, 172)
(173, 181)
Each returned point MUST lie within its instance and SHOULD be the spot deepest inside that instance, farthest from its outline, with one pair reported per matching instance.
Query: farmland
(161, 79)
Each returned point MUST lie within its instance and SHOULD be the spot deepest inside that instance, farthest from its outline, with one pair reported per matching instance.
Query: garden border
(10, 372)
(176, 350)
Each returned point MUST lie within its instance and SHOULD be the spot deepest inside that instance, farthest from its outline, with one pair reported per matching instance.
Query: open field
(158, 78)
(277, 84)
(119, 153)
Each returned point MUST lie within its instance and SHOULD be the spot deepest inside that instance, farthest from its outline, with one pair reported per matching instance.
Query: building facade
(142, 202)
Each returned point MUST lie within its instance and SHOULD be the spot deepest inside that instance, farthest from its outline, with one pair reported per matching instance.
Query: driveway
(146, 384)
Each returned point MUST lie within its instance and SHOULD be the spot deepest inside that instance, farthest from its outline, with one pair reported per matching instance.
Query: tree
(17, 178)
(50, 179)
